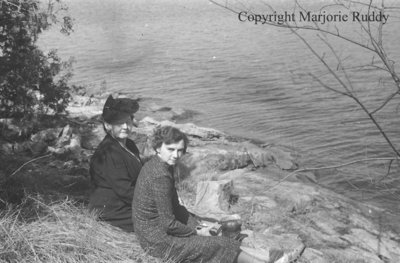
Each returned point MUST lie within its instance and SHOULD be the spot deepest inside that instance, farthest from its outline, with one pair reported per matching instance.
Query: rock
(189, 128)
(85, 107)
(223, 155)
(382, 246)
(196, 131)
(91, 139)
(212, 199)
(263, 157)
(181, 114)
(263, 201)
(283, 158)
(48, 136)
(303, 194)
(38, 148)
(6, 148)
(285, 242)
(362, 222)
(9, 130)
(352, 254)
(335, 228)
(65, 137)
(311, 255)
(155, 107)
(15, 148)
(328, 224)
(68, 144)
(213, 158)
(80, 100)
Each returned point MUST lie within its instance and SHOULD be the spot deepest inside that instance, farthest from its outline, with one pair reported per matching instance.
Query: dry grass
(63, 232)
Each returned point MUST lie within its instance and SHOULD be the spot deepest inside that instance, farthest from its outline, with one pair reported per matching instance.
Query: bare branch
(364, 67)
(322, 60)
(224, 6)
(380, 29)
(328, 87)
(377, 47)
(331, 167)
(386, 102)
(35, 159)
(341, 66)
(377, 125)
(388, 172)
(364, 4)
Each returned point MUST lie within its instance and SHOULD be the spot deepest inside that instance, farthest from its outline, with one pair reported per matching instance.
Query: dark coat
(113, 174)
(165, 228)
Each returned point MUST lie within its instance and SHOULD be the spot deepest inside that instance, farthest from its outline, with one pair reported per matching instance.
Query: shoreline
(272, 203)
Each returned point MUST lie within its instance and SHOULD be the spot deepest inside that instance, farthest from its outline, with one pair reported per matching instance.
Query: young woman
(115, 165)
(165, 228)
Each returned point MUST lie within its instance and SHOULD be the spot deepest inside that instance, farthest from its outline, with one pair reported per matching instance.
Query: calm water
(247, 80)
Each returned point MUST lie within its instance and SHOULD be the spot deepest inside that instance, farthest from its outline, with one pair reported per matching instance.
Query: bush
(30, 81)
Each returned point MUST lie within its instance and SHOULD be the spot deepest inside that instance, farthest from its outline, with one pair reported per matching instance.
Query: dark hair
(168, 135)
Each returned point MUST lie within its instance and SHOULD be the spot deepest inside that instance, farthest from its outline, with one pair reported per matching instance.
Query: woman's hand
(203, 230)
(206, 228)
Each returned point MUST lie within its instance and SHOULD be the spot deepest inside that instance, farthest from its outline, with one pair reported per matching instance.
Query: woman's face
(170, 153)
(120, 131)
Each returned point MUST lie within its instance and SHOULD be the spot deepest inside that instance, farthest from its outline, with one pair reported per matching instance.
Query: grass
(63, 231)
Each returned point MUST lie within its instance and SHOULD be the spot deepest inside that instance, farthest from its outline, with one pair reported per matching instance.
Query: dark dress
(165, 228)
(113, 174)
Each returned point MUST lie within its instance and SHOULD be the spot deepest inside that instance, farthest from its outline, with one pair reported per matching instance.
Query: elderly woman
(115, 165)
(165, 228)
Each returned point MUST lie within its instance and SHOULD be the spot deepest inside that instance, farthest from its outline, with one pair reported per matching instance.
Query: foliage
(29, 79)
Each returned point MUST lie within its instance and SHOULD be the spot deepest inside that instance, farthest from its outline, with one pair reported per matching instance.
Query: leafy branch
(31, 81)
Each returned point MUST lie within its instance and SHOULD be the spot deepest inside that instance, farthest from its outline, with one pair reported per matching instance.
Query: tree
(29, 79)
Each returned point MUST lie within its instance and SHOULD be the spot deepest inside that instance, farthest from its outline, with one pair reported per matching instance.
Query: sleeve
(117, 176)
(182, 214)
(163, 190)
(193, 221)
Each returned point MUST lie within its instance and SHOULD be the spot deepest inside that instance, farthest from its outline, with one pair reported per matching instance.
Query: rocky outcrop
(276, 213)
(333, 228)
(215, 151)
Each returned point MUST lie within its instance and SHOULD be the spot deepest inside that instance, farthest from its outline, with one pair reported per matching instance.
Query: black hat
(117, 111)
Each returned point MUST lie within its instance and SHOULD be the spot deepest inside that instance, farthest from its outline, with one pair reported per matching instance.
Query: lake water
(245, 79)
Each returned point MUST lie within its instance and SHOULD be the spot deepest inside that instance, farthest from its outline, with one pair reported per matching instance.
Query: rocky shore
(256, 181)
